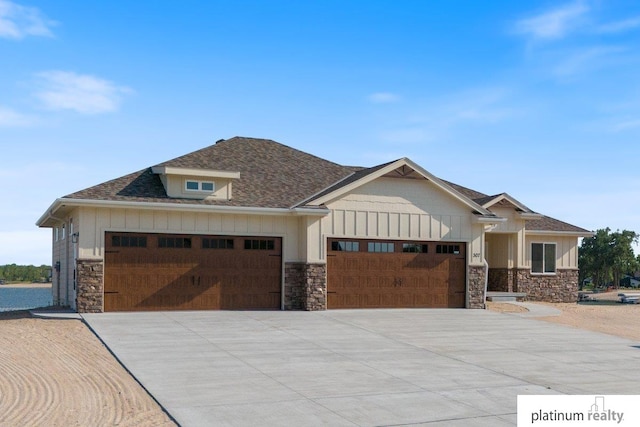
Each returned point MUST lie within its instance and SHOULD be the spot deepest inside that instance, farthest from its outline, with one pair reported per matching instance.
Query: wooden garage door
(385, 274)
(187, 272)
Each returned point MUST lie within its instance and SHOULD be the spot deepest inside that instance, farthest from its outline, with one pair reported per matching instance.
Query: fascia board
(210, 173)
(59, 203)
(559, 233)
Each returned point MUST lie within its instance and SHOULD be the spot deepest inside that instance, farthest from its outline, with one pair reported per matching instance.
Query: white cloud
(554, 24)
(383, 98)
(85, 94)
(18, 22)
(11, 118)
(620, 26)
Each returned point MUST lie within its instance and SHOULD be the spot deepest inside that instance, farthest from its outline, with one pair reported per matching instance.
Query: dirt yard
(603, 314)
(57, 373)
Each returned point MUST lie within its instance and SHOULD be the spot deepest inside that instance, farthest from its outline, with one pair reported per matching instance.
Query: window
(57, 234)
(174, 242)
(448, 249)
(543, 257)
(380, 247)
(125, 241)
(345, 246)
(207, 186)
(415, 247)
(217, 243)
(64, 232)
(260, 244)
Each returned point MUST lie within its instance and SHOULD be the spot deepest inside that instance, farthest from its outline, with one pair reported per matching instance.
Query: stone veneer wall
(500, 280)
(90, 286)
(305, 286)
(559, 287)
(475, 293)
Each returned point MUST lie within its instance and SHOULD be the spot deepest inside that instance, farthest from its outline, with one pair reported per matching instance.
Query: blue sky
(537, 99)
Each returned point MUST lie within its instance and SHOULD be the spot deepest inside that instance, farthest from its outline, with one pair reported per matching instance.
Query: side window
(543, 257)
(448, 249)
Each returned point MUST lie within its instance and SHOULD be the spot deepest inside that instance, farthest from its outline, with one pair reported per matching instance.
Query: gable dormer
(201, 184)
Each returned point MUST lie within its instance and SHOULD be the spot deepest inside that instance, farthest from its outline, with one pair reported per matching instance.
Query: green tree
(606, 256)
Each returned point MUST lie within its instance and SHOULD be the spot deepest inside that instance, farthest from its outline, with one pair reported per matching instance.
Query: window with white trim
(543, 258)
(193, 185)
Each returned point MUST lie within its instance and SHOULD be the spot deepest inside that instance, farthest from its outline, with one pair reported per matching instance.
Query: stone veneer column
(559, 287)
(90, 286)
(305, 286)
(475, 293)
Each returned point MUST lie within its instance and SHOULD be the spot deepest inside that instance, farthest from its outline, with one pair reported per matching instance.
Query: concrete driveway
(360, 367)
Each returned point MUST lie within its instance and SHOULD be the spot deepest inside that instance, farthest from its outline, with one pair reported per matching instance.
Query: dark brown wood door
(145, 272)
(393, 274)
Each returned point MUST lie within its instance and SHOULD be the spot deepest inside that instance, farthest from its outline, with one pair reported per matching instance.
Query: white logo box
(579, 410)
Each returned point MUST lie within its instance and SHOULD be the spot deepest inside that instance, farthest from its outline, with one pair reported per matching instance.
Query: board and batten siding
(96, 221)
(401, 209)
(566, 249)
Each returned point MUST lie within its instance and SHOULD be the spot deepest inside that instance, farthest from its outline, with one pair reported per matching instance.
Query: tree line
(607, 256)
(25, 273)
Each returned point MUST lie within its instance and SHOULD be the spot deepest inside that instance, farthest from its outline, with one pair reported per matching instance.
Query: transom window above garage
(194, 185)
(260, 244)
(217, 243)
(124, 241)
(174, 242)
(345, 246)
(448, 249)
(386, 247)
(419, 248)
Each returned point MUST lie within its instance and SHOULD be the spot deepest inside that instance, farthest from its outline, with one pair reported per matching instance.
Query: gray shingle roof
(272, 175)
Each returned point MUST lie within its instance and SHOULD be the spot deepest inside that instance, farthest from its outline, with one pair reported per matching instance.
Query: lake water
(24, 298)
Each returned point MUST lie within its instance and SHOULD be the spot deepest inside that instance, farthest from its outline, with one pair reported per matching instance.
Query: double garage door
(190, 272)
(385, 274)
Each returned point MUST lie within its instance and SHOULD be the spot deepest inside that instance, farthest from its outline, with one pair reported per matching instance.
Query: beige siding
(175, 186)
(95, 222)
(566, 249)
(63, 291)
(390, 208)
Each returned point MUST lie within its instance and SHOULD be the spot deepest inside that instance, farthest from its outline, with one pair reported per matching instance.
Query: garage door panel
(217, 274)
(361, 279)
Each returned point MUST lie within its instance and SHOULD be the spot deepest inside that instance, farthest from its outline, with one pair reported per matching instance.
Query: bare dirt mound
(55, 372)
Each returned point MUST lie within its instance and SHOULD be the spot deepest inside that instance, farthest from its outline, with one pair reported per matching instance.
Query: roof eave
(559, 233)
(68, 202)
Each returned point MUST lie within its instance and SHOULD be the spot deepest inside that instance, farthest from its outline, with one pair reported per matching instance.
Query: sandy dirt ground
(57, 373)
(605, 314)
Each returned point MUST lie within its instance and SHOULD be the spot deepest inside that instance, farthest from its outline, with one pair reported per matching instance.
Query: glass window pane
(537, 257)
(207, 186)
(549, 258)
(192, 185)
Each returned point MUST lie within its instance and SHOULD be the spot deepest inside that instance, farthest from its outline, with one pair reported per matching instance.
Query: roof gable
(402, 168)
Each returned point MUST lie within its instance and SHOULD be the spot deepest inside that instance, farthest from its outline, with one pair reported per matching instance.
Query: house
(629, 281)
(253, 224)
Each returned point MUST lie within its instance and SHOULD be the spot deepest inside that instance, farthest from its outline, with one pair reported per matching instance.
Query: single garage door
(392, 274)
(191, 272)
